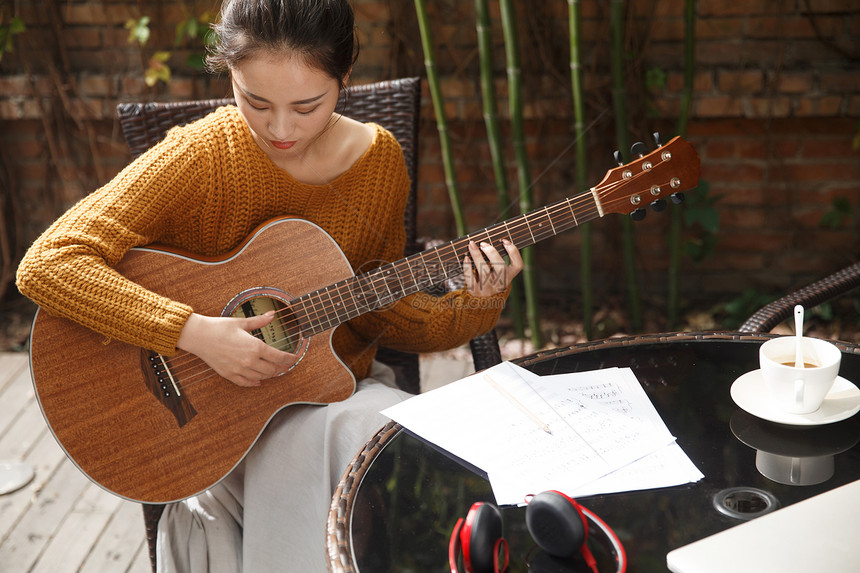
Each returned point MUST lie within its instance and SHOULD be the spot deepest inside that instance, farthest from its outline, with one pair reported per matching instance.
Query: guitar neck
(352, 297)
(666, 171)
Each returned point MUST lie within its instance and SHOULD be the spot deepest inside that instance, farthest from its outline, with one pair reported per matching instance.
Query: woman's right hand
(228, 347)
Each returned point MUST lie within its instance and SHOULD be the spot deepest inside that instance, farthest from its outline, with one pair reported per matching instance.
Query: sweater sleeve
(69, 269)
(428, 323)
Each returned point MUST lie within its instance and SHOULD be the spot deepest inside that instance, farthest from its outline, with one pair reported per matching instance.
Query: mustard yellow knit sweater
(204, 189)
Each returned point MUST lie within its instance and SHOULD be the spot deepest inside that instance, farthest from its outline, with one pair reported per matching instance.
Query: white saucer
(842, 402)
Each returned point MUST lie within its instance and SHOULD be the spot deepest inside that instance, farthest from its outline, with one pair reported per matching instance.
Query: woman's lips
(282, 144)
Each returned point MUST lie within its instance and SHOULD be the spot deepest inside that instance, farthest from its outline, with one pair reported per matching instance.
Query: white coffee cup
(787, 470)
(798, 390)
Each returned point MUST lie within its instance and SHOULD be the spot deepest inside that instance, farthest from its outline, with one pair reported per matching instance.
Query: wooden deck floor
(61, 521)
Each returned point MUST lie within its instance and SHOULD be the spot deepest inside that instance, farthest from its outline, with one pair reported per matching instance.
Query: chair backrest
(393, 104)
(830, 287)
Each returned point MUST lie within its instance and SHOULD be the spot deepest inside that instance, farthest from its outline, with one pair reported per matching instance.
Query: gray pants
(270, 513)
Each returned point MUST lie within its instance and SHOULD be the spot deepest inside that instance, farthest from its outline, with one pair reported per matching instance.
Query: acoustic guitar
(156, 429)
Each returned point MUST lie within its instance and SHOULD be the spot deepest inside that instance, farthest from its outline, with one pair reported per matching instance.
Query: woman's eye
(264, 108)
(307, 111)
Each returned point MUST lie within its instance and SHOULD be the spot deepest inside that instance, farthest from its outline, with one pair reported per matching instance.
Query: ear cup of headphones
(483, 528)
(556, 524)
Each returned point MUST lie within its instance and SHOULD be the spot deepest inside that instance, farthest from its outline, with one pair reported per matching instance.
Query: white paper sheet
(605, 434)
(619, 390)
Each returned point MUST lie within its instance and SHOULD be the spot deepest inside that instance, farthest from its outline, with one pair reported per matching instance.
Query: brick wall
(775, 114)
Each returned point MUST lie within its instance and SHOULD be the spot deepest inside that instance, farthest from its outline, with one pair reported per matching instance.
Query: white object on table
(817, 534)
(798, 332)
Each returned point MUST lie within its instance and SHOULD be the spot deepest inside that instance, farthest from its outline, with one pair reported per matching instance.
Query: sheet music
(602, 425)
(666, 466)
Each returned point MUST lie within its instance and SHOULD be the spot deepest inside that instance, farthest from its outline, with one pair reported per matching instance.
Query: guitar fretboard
(329, 307)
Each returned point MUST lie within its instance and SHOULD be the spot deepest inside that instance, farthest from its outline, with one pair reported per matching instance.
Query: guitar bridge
(165, 386)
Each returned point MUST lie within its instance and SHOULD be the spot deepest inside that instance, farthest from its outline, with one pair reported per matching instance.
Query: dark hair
(322, 32)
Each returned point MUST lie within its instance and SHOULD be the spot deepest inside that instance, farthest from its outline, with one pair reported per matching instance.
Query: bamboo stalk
(675, 216)
(441, 118)
(494, 140)
(515, 105)
(689, 64)
(575, 27)
(620, 106)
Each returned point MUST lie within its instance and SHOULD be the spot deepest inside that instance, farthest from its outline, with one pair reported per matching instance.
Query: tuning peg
(638, 149)
(677, 198)
(618, 159)
(657, 139)
(638, 214)
(658, 205)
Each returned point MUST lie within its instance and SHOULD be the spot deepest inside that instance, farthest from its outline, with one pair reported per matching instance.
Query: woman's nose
(280, 127)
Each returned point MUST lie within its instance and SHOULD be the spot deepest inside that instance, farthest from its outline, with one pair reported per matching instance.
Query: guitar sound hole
(283, 332)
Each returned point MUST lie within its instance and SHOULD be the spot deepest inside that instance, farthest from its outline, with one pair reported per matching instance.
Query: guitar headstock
(649, 180)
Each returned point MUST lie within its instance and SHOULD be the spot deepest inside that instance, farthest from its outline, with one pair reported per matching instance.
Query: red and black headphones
(557, 523)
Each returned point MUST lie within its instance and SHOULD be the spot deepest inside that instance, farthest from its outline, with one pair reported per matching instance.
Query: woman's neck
(336, 149)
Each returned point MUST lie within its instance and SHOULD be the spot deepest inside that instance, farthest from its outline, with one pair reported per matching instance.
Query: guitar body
(142, 442)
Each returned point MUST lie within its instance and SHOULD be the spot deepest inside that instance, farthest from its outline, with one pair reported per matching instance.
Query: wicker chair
(830, 287)
(393, 104)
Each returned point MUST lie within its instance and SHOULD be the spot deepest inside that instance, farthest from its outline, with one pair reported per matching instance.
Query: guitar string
(523, 225)
(184, 369)
(516, 232)
(293, 321)
(383, 277)
(331, 310)
(315, 316)
(522, 230)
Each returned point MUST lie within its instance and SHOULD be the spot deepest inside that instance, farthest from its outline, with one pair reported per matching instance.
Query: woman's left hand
(485, 270)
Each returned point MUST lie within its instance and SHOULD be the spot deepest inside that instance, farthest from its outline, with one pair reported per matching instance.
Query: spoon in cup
(798, 329)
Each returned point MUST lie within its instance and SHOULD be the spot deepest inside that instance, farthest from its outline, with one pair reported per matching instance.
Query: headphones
(557, 523)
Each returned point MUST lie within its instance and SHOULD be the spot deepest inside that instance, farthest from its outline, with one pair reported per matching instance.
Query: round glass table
(397, 503)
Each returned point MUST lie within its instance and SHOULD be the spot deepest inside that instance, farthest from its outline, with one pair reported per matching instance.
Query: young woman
(282, 150)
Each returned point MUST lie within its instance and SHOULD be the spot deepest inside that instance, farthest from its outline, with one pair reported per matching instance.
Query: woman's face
(286, 103)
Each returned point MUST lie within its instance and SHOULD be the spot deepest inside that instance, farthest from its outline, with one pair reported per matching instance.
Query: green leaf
(710, 220)
(842, 205)
(180, 33)
(16, 26)
(187, 28)
(7, 33)
(700, 248)
(138, 30)
(196, 61)
(700, 209)
(831, 220)
(655, 78)
(855, 144)
(210, 38)
(840, 211)
(739, 309)
(153, 75)
(158, 70)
